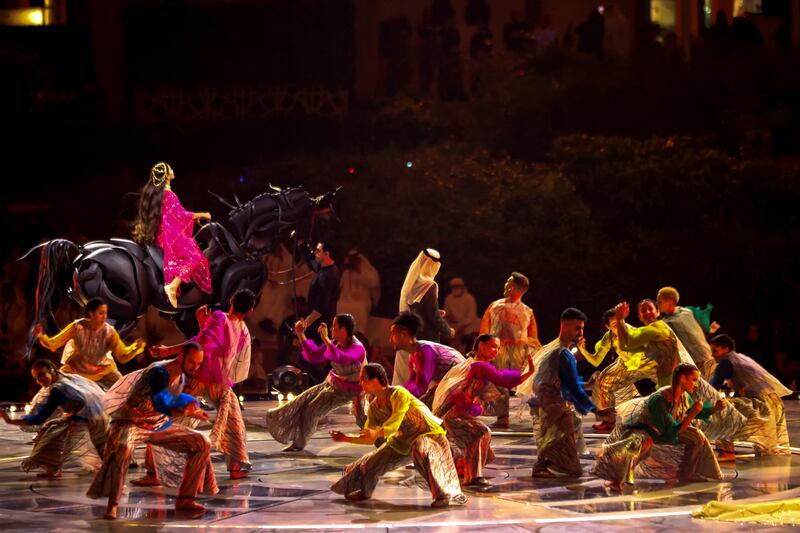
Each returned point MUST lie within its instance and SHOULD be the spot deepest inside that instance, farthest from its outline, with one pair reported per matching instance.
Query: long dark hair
(150, 201)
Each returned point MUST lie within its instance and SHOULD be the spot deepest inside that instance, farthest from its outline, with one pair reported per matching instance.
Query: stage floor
(290, 491)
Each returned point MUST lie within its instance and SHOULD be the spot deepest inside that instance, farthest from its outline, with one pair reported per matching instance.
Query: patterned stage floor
(289, 491)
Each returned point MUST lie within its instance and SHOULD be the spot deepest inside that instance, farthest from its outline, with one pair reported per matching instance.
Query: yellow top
(403, 419)
(88, 355)
(632, 359)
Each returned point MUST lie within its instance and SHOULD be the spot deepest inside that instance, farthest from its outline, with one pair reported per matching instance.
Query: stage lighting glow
(12, 409)
(280, 396)
(290, 397)
(409, 164)
(28, 408)
(241, 399)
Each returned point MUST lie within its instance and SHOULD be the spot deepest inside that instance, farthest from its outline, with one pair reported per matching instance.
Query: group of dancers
(427, 414)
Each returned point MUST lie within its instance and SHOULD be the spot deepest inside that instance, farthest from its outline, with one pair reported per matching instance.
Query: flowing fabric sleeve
(601, 350)
(355, 353)
(212, 339)
(571, 386)
(46, 410)
(401, 401)
(122, 352)
(166, 403)
(422, 365)
(533, 332)
(640, 337)
(702, 316)
(60, 339)
(176, 222)
(485, 371)
(311, 352)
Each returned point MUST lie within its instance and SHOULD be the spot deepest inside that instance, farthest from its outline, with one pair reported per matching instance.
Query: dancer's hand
(721, 404)
(621, 310)
(714, 327)
(338, 436)
(300, 327)
(697, 407)
(194, 410)
(323, 333)
(156, 352)
(38, 330)
(202, 216)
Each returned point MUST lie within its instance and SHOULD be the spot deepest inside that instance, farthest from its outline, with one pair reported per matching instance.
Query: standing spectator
(324, 291)
(462, 314)
(420, 293)
(360, 288)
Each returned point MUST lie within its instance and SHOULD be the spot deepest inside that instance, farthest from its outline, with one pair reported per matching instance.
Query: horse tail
(53, 263)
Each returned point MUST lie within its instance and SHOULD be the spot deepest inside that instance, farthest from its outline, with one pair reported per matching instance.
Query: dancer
(514, 324)
(226, 343)
(294, 422)
(420, 293)
(163, 221)
(461, 397)
(408, 428)
(751, 380)
(428, 362)
(615, 383)
(558, 393)
(74, 406)
(655, 338)
(662, 345)
(664, 417)
(141, 405)
(685, 325)
(90, 346)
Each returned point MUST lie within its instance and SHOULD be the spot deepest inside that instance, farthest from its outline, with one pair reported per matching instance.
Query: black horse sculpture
(129, 277)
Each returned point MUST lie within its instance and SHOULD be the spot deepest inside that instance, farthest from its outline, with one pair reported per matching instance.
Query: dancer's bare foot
(239, 474)
(111, 512)
(292, 448)
(147, 481)
(172, 295)
(188, 504)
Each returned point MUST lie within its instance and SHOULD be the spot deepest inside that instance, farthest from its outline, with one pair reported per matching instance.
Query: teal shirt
(663, 428)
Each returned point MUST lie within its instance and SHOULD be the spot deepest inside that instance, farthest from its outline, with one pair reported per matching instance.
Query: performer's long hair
(150, 201)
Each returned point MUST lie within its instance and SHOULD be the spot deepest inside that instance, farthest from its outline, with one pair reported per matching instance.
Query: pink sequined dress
(182, 256)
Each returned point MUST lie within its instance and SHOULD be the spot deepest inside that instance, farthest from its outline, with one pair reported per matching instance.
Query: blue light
(409, 164)
(241, 179)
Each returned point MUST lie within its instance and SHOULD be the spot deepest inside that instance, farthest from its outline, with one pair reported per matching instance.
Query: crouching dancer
(409, 429)
(141, 406)
(74, 406)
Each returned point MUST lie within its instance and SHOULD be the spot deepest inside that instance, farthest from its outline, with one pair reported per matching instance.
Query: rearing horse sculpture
(130, 277)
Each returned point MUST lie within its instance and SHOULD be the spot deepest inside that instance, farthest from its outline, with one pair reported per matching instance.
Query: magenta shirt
(346, 362)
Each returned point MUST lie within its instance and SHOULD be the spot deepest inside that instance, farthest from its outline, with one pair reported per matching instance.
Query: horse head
(262, 223)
